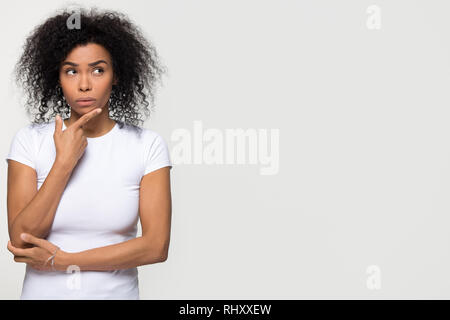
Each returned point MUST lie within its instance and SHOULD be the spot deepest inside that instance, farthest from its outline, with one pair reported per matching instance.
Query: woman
(96, 174)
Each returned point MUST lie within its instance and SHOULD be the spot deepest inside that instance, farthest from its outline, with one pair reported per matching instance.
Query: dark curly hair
(134, 58)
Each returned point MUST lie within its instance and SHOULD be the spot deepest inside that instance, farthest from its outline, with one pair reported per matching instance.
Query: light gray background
(364, 175)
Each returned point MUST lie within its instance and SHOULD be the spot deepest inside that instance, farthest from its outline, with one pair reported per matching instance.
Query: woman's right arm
(31, 210)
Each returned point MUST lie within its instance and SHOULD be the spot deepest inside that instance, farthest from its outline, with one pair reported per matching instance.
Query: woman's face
(87, 73)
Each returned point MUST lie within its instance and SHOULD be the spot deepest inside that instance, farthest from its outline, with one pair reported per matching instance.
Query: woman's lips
(85, 103)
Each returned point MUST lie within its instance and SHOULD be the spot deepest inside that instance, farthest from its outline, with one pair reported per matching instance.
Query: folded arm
(124, 255)
(155, 210)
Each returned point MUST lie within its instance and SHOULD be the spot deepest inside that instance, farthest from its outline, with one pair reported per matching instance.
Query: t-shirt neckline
(106, 135)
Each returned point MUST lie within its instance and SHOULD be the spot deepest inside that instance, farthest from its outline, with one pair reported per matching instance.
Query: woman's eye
(97, 69)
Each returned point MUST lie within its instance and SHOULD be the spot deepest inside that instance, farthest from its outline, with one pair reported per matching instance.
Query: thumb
(58, 124)
(29, 238)
(42, 243)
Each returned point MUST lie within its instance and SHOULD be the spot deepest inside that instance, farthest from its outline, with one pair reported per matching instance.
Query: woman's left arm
(128, 254)
(155, 210)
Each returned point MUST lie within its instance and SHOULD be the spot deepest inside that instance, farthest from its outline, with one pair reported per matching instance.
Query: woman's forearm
(37, 217)
(124, 255)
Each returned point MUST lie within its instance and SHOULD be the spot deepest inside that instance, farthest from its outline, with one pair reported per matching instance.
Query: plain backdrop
(363, 114)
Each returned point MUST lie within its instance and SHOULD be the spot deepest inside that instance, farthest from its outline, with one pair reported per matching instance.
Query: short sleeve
(157, 154)
(21, 148)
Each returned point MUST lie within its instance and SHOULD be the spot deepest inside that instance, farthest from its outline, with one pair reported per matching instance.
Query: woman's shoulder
(36, 129)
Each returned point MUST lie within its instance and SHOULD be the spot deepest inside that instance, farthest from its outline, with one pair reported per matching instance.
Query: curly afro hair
(135, 64)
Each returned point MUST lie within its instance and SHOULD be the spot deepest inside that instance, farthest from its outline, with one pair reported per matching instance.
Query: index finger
(88, 116)
(17, 251)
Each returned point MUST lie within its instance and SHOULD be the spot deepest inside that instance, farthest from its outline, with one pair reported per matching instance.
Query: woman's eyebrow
(90, 64)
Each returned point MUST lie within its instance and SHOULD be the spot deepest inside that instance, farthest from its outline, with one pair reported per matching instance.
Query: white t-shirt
(99, 206)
